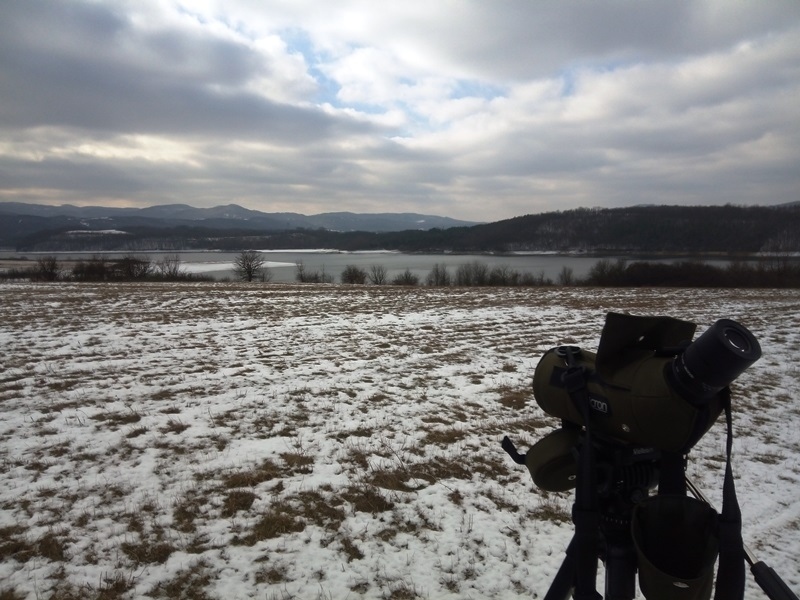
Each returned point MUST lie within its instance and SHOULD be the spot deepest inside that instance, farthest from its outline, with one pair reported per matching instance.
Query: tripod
(603, 517)
(626, 477)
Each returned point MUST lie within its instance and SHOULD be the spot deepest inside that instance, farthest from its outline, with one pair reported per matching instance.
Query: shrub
(304, 276)
(566, 276)
(406, 278)
(534, 280)
(504, 275)
(353, 274)
(133, 267)
(438, 276)
(684, 274)
(474, 273)
(47, 269)
(606, 272)
(94, 269)
(773, 273)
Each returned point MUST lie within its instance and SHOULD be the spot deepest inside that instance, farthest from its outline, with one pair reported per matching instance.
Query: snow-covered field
(270, 441)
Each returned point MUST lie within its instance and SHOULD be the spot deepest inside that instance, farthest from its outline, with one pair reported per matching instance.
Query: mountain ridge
(237, 215)
(20, 221)
(658, 229)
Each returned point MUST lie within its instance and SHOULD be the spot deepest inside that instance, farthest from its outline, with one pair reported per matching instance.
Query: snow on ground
(268, 441)
(211, 266)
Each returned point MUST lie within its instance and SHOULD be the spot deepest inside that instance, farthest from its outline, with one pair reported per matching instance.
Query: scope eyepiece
(714, 360)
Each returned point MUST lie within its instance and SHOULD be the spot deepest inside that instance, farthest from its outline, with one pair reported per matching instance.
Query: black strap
(511, 450)
(731, 573)
(672, 474)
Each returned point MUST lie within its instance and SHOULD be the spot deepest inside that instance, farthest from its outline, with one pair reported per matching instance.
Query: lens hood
(552, 461)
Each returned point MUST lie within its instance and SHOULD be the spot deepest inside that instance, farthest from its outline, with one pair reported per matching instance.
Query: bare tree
(377, 275)
(300, 271)
(47, 268)
(566, 276)
(94, 269)
(133, 267)
(249, 265)
(503, 275)
(473, 273)
(170, 267)
(438, 276)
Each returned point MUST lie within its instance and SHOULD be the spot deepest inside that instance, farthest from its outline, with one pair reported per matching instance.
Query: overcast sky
(479, 110)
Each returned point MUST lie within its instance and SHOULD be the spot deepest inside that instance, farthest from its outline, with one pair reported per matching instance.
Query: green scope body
(642, 388)
(638, 406)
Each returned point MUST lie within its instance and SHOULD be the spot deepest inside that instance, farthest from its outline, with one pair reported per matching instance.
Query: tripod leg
(564, 583)
(620, 570)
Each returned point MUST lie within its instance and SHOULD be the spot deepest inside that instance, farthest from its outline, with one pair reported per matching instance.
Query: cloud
(471, 109)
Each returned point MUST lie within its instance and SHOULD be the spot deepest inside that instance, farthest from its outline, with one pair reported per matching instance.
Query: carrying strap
(731, 572)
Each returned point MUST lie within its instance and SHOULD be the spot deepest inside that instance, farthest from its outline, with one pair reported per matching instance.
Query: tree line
(778, 272)
(249, 266)
(98, 268)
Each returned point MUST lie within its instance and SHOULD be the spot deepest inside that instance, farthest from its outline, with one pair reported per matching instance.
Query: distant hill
(20, 223)
(646, 229)
(631, 230)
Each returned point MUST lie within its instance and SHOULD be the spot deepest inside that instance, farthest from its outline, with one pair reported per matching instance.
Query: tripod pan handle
(769, 581)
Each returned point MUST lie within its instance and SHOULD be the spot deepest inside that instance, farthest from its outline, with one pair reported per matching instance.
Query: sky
(474, 110)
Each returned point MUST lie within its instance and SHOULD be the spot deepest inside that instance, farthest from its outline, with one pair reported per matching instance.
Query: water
(283, 265)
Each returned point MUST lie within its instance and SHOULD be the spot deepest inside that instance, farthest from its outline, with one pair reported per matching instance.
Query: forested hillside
(644, 229)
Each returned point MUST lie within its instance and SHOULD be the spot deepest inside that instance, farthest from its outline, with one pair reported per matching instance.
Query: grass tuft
(175, 426)
(145, 552)
(281, 519)
(266, 471)
(187, 584)
(236, 501)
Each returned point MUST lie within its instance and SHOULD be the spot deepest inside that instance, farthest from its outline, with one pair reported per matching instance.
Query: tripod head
(623, 471)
